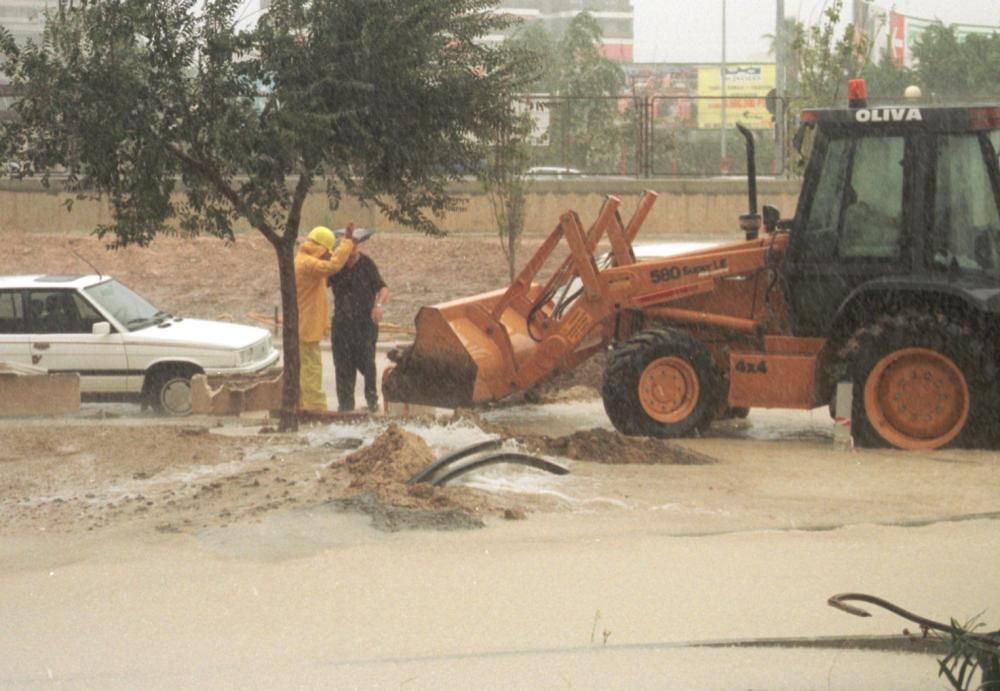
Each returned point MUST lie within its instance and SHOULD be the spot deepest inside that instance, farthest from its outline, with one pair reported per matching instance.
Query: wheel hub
(669, 389)
(176, 397)
(919, 398)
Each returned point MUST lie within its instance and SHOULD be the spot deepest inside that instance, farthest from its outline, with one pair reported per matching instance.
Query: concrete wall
(40, 394)
(690, 207)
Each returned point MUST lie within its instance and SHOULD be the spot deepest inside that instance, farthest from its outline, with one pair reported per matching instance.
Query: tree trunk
(285, 250)
(512, 234)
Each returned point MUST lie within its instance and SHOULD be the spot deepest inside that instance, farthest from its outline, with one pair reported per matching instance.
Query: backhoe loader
(887, 277)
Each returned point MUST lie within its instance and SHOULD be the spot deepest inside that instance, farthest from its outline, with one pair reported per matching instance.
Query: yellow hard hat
(322, 236)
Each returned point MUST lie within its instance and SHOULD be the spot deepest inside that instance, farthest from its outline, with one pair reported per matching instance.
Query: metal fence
(644, 136)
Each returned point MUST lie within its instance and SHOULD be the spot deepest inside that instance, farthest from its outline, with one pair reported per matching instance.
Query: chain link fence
(653, 136)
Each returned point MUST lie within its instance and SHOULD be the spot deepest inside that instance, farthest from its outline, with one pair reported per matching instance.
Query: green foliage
(970, 652)
(886, 81)
(585, 127)
(379, 98)
(950, 69)
(822, 59)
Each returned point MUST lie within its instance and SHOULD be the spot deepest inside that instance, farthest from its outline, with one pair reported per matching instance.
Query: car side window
(12, 313)
(88, 316)
(55, 312)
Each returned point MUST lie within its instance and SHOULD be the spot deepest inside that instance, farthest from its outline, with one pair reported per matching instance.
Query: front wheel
(662, 383)
(170, 392)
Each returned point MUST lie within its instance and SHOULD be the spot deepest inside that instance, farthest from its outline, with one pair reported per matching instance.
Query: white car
(123, 347)
(553, 172)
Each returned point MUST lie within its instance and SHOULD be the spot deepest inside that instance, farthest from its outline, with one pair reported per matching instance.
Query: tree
(949, 68)
(588, 83)
(583, 131)
(187, 123)
(505, 180)
(820, 61)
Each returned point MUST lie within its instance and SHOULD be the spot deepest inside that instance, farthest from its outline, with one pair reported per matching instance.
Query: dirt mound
(392, 459)
(379, 488)
(605, 446)
(579, 384)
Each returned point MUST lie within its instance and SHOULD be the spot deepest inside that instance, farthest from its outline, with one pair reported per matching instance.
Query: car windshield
(130, 309)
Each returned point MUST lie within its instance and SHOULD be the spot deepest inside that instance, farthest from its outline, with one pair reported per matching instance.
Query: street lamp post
(779, 84)
(723, 162)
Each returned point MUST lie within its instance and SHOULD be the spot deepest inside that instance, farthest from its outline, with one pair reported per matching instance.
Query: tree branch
(224, 189)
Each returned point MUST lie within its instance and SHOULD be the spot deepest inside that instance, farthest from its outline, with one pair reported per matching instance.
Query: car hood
(199, 333)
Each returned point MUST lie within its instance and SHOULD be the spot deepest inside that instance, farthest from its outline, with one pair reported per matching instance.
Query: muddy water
(610, 578)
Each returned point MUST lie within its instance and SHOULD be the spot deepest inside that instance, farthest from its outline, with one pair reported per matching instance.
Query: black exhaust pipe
(750, 222)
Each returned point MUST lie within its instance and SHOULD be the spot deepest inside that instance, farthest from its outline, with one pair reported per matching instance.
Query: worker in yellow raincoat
(317, 259)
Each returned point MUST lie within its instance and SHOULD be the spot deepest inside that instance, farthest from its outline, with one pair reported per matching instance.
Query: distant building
(25, 19)
(613, 16)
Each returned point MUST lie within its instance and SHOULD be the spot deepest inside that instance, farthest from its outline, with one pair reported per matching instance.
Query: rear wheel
(661, 383)
(919, 383)
(170, 391)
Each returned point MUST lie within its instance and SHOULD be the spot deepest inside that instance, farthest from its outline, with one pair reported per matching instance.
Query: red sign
(897, 37)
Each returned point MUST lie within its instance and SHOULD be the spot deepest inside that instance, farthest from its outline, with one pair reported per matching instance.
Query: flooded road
(619, 575)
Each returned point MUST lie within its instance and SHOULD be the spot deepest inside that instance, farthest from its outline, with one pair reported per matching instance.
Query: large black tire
(920, 382)
(661, 383)
(169, 391)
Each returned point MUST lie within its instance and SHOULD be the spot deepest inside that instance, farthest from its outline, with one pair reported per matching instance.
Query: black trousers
(353, 345)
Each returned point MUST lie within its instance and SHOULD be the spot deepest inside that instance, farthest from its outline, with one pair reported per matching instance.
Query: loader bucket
(486, 347)
(462, 354)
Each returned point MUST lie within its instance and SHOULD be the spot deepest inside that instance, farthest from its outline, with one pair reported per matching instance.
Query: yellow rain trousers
(311, 393)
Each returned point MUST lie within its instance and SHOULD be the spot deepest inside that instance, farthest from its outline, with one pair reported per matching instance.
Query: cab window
(966, 222)
(873, 200)
(857, 206)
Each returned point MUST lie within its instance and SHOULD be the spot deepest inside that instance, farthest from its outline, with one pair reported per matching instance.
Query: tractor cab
(899, 204)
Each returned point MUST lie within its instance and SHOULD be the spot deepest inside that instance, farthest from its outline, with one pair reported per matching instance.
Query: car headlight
(258, 351)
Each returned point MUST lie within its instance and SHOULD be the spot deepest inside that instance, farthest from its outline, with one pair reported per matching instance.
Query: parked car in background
(122, 346)
(553, 172)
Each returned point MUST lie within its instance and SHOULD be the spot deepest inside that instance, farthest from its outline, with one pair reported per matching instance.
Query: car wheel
(170, 392)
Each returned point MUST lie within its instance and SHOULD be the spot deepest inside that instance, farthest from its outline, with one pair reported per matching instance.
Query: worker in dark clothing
(358, 295)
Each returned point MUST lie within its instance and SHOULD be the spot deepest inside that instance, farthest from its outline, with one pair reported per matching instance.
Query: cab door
(852, 224)
(15, 342)
(63, 341)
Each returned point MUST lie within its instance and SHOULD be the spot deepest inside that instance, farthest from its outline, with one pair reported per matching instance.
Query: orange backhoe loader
(888, 276)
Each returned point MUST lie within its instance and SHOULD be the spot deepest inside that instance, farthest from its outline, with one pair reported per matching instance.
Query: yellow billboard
(746, 90)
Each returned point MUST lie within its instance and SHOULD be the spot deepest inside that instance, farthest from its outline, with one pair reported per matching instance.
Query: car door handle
(41, 346)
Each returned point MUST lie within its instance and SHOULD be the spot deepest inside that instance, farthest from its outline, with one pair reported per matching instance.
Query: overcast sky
(691, 30)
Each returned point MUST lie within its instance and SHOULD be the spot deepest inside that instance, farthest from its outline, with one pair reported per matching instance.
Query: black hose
(506, 457)
(427, 472)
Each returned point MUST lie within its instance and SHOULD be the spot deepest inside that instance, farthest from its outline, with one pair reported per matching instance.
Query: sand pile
(378, 486)
(392, 459)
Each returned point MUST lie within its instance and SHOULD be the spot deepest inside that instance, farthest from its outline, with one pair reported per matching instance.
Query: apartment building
(613, 16)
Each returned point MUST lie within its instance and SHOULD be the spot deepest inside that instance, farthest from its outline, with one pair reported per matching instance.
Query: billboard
(747, 86)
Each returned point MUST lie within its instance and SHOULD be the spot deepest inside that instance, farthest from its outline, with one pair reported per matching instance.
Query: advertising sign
(747, 87)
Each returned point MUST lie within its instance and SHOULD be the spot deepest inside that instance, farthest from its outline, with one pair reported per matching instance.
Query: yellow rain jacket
(310, 285)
